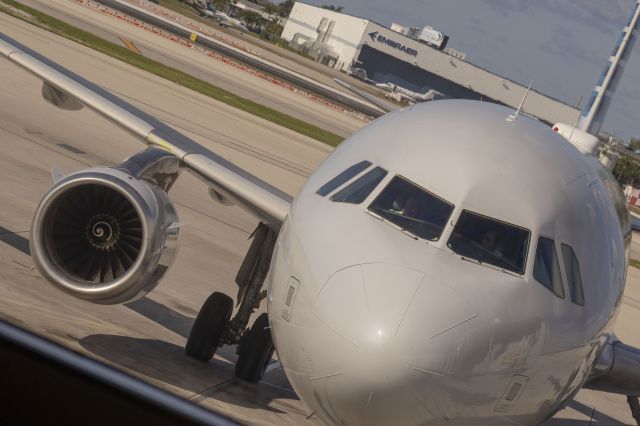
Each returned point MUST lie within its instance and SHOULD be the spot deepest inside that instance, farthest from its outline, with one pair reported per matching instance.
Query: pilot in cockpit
(406, 206)
(411, 207)
(490, 243)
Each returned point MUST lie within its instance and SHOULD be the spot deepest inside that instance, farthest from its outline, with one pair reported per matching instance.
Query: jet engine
(105, 235)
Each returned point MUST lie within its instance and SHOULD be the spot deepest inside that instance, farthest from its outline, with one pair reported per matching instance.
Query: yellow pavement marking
(130, 45)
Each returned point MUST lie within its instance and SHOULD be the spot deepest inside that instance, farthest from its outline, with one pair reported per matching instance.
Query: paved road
(216, 70)
(146, 338)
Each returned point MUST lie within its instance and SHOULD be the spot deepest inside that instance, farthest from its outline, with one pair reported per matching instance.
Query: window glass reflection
(412, 208)
(358, 190)
(490, 241)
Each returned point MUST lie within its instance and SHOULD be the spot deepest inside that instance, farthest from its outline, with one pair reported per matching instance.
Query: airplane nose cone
(369, 367)
(365, 303)
(363, 306)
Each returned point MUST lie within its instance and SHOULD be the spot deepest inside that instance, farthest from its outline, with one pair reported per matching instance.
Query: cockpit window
(343, 177)
(490, 241)
(572, 269)
(358, 190)
(412, 208)
(546, 269)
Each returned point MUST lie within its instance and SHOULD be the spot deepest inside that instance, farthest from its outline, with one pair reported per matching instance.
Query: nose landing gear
(214, 327)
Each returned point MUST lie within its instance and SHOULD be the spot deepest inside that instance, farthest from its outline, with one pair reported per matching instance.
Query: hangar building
(340, 40)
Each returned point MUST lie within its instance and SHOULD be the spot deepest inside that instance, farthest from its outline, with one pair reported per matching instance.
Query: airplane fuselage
(451, 263)
(375, 325)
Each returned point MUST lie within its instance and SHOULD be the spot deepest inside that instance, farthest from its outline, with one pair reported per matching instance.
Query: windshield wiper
(376, 215)
(409, 233)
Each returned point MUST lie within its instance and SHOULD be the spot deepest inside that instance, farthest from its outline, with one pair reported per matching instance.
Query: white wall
(470, 76)
(346, 36)
(350, 32)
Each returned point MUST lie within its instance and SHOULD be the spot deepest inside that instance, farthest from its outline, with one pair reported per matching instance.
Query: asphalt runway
(146, 338)
(222, 73)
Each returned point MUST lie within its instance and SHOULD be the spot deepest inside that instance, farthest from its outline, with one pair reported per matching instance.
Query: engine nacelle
(104, 236)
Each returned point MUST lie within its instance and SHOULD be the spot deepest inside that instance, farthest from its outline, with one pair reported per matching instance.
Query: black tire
(256, 350)
(208, 327)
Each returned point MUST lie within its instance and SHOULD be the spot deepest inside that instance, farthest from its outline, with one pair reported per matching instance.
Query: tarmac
(202, 63)
(146, 338)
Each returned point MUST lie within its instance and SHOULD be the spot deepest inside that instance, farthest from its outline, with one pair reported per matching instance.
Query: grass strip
(183, 9)
(85, 38)
(635, 263)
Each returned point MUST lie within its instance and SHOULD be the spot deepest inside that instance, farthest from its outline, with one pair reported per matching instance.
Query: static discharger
(514, 117)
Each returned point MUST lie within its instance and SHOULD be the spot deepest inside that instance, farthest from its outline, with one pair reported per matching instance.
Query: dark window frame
(421, 188)
(336, 197)
(339, 180)
(525, 255)
(570, 285)
(560, 266)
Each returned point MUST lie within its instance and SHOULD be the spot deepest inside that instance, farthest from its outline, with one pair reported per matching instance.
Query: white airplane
(436, 278)
(206, 9)
(227, 21)
(402, 94)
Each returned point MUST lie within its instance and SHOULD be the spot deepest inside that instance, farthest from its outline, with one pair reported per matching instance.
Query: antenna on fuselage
(514, 117)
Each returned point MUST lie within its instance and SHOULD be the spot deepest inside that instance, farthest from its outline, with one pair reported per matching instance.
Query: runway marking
(282, 388)
(197, 397)
(211, 53)
(453, 326)
(132, 47)
(28, 268)
(71, 148)
(229, 141)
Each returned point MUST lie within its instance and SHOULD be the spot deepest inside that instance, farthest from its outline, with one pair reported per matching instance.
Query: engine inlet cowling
(104, 236)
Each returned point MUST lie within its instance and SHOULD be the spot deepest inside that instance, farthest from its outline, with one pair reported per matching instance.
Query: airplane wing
(230, 183)
(373, 99)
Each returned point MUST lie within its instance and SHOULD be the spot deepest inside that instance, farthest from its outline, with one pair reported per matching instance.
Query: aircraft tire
(208, 327)
(256, 350)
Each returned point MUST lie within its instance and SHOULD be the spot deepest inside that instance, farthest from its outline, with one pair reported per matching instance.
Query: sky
(562, 45)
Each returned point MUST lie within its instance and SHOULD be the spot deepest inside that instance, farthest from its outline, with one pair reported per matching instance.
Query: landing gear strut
(634, 404)
(213, 327)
